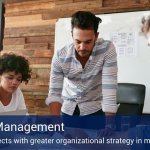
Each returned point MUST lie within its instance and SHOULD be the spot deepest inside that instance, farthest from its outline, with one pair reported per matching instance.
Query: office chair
(130, 98)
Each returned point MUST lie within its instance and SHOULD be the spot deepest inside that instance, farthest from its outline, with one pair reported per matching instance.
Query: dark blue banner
(70, 133)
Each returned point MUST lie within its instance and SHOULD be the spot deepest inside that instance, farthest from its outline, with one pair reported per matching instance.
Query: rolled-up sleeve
(109, 80)
(56, 81)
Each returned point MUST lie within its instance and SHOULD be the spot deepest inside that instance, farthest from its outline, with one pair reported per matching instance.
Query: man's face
(84, 41)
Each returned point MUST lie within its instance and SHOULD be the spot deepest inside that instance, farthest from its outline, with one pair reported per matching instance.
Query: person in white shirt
(14, 70)
(83, 79)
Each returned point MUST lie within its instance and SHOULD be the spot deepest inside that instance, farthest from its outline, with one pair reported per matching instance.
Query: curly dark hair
(85, 20)
(16, 63)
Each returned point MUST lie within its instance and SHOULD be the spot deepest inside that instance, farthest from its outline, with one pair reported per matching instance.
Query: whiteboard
(133, 67)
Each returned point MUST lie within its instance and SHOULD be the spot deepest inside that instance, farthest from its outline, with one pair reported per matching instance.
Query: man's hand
(106, 132)
(109, 127)
(55, 108)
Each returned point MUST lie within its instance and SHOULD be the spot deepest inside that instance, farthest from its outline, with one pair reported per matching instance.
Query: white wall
(132, 68)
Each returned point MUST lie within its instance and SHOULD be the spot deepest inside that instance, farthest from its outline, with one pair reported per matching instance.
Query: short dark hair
(85, 20)
(16, 63)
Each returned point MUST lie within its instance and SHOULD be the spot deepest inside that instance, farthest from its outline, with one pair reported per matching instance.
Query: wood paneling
(38, 39)
(40, 60)
(29, 31)
(17, 1)
(125, 3)
(43, 53)
(27, 21)
(36, 46)
(40, 88)
(71, 8)
(14, 41)
(31, 5)
(19, 52)
(60, 2)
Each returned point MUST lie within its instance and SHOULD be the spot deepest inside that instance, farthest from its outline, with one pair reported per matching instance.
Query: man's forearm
(55, 108)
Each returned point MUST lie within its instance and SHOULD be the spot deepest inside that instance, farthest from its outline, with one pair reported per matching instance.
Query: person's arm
(109, 81)
(54, 100)
(109, 88)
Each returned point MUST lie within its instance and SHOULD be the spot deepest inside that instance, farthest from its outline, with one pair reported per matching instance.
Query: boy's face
(84, 41)
(10, 81)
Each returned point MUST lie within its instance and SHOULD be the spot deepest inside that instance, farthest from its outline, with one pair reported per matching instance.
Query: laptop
(19, 112)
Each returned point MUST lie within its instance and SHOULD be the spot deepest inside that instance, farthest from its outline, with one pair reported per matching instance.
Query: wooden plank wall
(29, 31)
